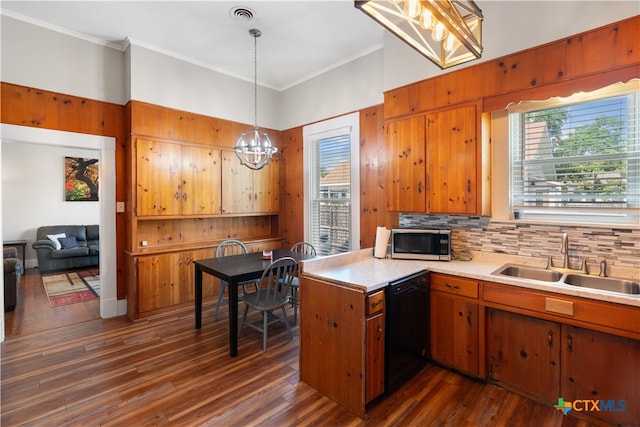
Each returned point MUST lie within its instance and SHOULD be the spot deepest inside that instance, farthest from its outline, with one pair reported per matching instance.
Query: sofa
(13, 271)
(65, 247)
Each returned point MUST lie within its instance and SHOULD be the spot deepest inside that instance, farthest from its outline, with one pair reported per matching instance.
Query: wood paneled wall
(373, 161)
(162, 123)
(583, 62)
(24, 106)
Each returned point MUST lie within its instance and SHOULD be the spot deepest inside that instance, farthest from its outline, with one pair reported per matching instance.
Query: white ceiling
(300, 39)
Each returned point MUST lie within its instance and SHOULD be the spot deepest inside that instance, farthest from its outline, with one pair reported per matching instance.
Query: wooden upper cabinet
(246, 190)
(438, 162)
(201, 180)
(173, 179)
(405, 176)
(159, 178)
(452, 161)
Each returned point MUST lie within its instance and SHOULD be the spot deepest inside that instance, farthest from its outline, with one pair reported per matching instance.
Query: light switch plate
(119, 207)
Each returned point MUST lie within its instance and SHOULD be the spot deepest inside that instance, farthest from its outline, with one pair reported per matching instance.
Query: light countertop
(361, 270)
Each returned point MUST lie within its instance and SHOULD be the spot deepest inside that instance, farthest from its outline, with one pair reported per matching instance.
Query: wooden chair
(271, 294)
(227, 248)
(301, 248)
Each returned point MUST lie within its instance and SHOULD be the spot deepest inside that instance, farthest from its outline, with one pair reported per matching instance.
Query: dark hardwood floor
(86, 371)
(33, 313)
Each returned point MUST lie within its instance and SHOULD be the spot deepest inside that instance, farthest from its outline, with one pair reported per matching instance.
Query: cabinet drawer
(375, 303)
(454, 285)
(587, 312)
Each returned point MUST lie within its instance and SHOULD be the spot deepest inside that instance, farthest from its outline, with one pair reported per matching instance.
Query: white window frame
(347, 124)
(502, 208)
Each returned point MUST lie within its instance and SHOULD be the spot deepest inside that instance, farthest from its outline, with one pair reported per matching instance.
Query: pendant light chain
(254, 147)
(255, 34)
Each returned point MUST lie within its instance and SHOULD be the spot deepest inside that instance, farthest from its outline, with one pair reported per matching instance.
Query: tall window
(332, 185)
(577, 160)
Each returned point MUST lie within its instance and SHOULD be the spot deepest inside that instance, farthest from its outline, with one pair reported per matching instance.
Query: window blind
(581, 158)
(331, 199)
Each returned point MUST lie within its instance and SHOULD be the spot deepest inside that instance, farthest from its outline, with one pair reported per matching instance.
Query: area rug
(72, 287)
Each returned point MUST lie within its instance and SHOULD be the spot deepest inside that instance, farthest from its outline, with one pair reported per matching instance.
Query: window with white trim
(577, 159)
(331, 152)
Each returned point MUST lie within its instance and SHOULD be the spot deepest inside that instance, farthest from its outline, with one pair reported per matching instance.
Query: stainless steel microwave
(412, 243)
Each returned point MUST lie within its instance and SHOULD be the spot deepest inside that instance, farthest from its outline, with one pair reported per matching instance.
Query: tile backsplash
(618, 246)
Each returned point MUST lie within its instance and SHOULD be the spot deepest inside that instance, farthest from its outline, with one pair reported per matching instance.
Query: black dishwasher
(407, 328)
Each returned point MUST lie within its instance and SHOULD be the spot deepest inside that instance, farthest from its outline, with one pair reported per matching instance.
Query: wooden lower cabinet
(454, 332)
(163, 281)
(524, 352)
(603, 367)
(375, 336)
(454, 326)
(595, 371)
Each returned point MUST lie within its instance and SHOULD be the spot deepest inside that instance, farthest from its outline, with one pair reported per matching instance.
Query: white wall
(163, 80)
(33, 192)
(37, 57)
(351, 87)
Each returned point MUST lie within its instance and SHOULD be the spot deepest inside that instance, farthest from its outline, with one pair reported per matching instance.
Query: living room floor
(33, 313)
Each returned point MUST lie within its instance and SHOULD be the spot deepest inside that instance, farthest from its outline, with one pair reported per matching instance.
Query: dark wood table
(233, 270)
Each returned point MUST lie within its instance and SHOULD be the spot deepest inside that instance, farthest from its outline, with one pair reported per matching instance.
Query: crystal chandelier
(447, 32)
(254, 147)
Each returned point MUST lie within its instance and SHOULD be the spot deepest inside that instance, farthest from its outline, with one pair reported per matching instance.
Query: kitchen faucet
(565, 250)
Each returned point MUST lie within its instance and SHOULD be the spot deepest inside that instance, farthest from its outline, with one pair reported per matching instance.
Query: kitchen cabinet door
(452, 161)
(165, 280)
(454, 332)
(266, 188)
(405, 173)
(158, 280)
(201, 185)
(603, 367)
(246, 190)
(159, 178)
(524, 353)
(173, 179)
(375, 336)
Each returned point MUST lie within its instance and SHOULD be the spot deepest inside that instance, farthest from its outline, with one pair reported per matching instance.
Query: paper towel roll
(382, 239)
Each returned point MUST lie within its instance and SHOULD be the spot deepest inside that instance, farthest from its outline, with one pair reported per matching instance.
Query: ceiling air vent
(241, 13)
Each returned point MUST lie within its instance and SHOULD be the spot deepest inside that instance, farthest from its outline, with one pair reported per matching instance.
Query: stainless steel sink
(603, 283)
(526, 272)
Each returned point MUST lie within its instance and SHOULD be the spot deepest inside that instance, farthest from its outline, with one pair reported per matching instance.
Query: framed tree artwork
(81, 179)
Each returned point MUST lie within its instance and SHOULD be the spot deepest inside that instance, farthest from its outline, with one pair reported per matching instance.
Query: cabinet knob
(569, 342)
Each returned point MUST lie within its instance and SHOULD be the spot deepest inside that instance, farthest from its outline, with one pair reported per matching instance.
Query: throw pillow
(54, 238)
(69, 242)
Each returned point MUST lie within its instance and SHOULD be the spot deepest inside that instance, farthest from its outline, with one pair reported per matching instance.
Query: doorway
(109, 305)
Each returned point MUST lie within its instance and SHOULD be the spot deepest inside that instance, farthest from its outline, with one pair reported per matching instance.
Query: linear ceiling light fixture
(447, 32)
(254, 147)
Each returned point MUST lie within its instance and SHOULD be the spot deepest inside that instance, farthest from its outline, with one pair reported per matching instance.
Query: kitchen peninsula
(564, 330)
